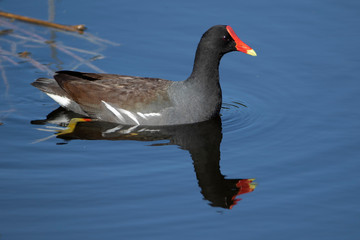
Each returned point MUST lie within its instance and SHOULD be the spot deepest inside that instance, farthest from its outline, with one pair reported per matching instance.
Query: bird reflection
(202, 140)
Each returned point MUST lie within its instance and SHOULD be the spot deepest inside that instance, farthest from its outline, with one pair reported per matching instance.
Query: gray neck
(199, 98)
(206, 68)
(202, 87)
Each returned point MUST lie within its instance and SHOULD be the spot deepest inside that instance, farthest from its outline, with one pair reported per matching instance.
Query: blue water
(290, 119)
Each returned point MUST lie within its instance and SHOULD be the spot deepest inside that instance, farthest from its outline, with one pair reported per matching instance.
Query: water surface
(290, 119)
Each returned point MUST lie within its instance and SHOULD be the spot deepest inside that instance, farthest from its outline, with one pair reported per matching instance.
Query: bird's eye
(226, 38)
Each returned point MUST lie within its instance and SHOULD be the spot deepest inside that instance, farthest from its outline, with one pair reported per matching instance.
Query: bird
(133, 100)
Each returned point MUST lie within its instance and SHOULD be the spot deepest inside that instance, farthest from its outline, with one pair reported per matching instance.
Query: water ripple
(236, 115)
(257, 116)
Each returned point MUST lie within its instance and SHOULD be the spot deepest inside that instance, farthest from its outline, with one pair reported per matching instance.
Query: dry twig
(75, 28)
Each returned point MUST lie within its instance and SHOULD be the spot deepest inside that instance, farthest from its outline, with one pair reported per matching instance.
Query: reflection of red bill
(244, 186)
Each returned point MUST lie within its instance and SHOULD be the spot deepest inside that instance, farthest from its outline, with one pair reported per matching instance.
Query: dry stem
(75, 28)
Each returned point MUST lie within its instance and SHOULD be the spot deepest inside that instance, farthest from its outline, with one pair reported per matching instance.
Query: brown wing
(127, 92)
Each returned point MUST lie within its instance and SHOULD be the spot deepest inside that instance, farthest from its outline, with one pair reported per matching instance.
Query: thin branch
(75, 28)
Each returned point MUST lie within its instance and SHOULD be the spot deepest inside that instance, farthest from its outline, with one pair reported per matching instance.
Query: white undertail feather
(62, 101)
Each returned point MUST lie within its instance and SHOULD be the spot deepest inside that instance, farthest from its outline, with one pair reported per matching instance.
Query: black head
(223, 39)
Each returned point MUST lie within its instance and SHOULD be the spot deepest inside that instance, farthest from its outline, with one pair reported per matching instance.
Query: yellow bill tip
(251, 52)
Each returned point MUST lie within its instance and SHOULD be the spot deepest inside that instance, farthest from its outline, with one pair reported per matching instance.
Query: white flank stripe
(146, 115)
(114, 111)
(63, 101)
(142, 115)
(120, 112)
(152, 114)
(129, 114)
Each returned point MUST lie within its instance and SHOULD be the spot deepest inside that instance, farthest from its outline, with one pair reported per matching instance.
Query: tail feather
(53, 90)
(49, 85)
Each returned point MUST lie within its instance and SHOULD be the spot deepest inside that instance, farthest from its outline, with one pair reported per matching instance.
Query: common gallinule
(133, 100)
